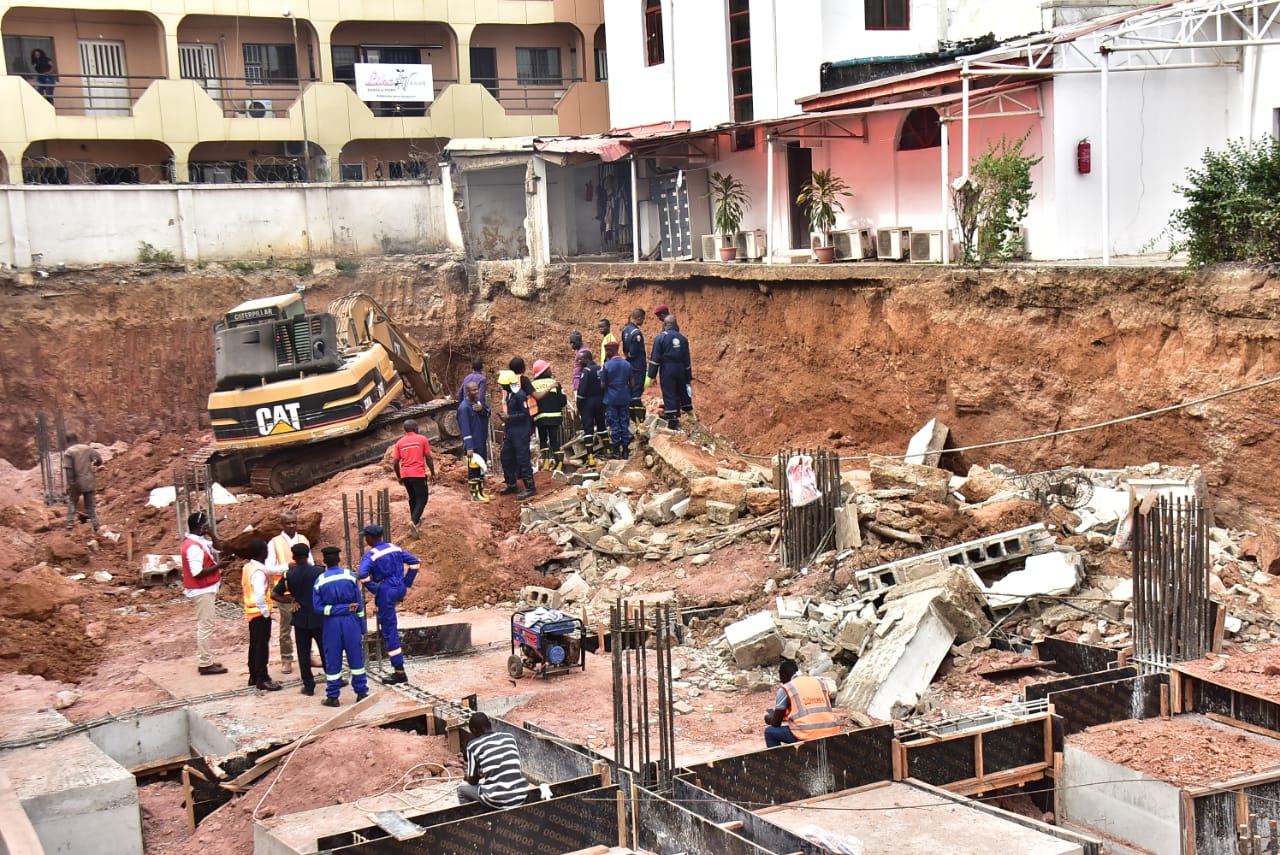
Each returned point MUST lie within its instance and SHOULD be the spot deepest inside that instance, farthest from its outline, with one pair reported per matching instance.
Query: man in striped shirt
(493, 767)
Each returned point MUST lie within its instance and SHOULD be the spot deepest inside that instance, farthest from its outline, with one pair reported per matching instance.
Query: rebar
(807, 529)
(1170, 582)
(50, 449)
(193, 491)
(635, 718)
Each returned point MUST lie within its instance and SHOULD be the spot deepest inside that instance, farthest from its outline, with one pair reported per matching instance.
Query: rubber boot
(529, 491)
(546, 459)
(397, 676)
(480, 493)
(558, 459)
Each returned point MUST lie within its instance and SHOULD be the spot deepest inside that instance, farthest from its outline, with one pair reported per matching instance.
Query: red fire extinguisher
(1084, 157)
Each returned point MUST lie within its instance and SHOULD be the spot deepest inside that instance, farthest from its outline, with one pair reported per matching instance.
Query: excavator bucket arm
(362, 321)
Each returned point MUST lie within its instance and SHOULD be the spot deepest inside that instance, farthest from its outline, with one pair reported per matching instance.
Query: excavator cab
(273, 338)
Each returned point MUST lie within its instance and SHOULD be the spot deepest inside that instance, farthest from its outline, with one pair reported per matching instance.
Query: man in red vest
(201, 578)
(802, 710)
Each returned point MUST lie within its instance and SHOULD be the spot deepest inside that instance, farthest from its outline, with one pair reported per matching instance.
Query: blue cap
(374, 530)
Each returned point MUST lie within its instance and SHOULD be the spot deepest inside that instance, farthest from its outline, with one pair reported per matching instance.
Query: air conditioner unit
(893, 243)
(711, 247)
(1025, 252)
(926, 247)
(295, 148)
(853, 244)
(257, 108)
(751, 244)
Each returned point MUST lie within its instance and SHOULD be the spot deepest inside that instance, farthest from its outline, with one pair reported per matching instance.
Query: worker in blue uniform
(337, 599)
(633, 350)
(671, 365)
(519, 406)
(616, 374)
(387, 572)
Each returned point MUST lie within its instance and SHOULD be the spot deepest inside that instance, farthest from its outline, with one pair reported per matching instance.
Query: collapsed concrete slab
(975, 554)
(956, 597)
(926, 446)
(704, 490)
(754, 640)
(1049, 573)
(888, 473)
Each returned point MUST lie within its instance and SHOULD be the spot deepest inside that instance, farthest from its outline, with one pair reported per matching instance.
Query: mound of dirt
(37, 593)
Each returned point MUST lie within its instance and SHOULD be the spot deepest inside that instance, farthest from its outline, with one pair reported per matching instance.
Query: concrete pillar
(20, 230)
(181, 159)
(169, 35)
(463, 32)
(324, 40)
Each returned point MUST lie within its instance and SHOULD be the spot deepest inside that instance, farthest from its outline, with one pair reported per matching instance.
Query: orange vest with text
(810, 716)
(246, 588)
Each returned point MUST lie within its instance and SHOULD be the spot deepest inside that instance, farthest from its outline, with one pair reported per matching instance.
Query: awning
(613, 145)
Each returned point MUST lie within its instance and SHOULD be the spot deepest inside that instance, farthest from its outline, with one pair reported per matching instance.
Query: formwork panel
(1074, 657)
(1011, 747)
(755, 828)
(666, 827)
(791, 772)
(1209, 697)
(942, 763)
(1039, 691)
(1215, 819)
(1081, 708)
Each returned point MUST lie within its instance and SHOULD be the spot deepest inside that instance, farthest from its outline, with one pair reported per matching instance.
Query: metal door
(106, 87)
(200, 63)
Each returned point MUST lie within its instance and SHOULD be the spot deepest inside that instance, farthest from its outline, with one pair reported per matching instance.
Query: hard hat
(540, 366)
(506, 377)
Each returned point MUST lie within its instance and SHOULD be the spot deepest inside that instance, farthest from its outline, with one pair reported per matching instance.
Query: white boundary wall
(82, 224)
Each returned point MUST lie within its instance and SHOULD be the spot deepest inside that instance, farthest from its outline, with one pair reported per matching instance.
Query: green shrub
(302, 268)
(346, 266)
(248, 266)
(994, 201)
(148, 254)
(1231, 212)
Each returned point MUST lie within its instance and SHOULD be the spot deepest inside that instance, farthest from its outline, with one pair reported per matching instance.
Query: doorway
(484, 68)
(799, 167)
(106, 86)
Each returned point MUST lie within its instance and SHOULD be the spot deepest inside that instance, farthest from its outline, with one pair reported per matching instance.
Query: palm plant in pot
(731, 200)
(821, 197)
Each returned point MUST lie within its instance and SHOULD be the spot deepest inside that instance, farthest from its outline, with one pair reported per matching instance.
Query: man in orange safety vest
(802, 710)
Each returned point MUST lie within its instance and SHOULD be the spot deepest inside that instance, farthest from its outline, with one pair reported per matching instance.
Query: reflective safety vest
(811, 715)
(282, 549)
(246, 589)
(551, 406)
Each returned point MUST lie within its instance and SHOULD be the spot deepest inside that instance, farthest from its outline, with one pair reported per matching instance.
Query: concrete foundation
(1120, 802)
(299, 833)
(144, 740)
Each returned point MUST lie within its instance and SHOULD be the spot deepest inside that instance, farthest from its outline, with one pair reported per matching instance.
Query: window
(920, 130)
(345, 58)
(538, 66)
(270, 64)
(352, 172)
(888, 14)
(602, 64)
(400, 170)
(17, 53)
(740, 59)
(654, 52)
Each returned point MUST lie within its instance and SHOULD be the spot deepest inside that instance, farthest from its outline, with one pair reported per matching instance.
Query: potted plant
(821, 196)
(731, 201)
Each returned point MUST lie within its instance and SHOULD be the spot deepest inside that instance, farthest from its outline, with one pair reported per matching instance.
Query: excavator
(302, 396)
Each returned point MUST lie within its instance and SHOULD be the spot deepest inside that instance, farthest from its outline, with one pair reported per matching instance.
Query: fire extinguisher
(1084, 157)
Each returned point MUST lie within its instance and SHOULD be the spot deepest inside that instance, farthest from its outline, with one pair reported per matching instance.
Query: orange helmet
(540, 367)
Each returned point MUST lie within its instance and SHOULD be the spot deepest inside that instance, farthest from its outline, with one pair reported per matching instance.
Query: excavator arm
(361, 321)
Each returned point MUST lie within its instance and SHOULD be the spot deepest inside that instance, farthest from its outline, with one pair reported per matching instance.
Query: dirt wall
(856, 357)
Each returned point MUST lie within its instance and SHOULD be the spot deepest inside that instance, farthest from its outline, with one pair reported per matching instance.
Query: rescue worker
(802, 710)
(413, 457)
(201, 579)
(337, 599)
(256, 594)
(298, 583)
(633, 351)
(473, 421)
(551, 399)
(387, 572)
(661, 311)
(78, 463)
(518, 409)
(575, 342)
(590, 400)
(602, 327)
(279, 557)
(671, 365)
(476, 376)
(616, 373)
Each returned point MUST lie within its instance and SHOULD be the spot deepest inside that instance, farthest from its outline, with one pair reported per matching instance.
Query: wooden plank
(1164, 701)
(156, 767)
(1188, 824)
(977, 757)
(1219, 629)
(1008, 778)
(189, 798)
(1058, 796)
(1243, 725)
(895, 749)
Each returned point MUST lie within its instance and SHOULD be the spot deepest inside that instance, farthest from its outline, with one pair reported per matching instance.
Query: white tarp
(382, 81)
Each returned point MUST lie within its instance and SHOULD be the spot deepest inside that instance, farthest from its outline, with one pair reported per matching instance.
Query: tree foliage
(1231, 212)
(731, 201)
(994, 200)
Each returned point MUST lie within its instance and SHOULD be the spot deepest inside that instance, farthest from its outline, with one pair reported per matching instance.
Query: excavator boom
(361, 322)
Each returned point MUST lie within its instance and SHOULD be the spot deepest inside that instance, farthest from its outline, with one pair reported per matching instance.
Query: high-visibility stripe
(356, 672)
(817, 718)
(395, 652)
(333, 678)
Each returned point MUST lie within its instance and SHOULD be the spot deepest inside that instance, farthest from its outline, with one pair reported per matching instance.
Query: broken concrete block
(702, 490)
(721, 513)
(853, 633)
(792, 608)
(1054, 572)
(754, 640)
(574, 589)
(1263, 548)
(889, 677)
(888, 473)
(956, 598)
(925, 447)
(659, 509)
(590, 534)
(158, 569)
(762, 500)
(610, 544)
(535, 595)
(624, 533)
(620, 509)
(848, 535)
(981, 485)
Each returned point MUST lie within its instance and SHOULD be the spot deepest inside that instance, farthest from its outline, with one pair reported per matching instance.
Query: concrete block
(925, 447)
(574, 589)
(535, 595)
(848, 535)
(792, 608)
(703, 490)
(560, 504)
(721, 513)
(888, 474)
(620, 509)
(590, 534)
(852, 634)
(659, 509)
(956, 598)
(754, 640)
(889, 677)
(77, 798)
(751, 476)
(1055, 572)
(762, 500)
(161, 569)
(981, 485)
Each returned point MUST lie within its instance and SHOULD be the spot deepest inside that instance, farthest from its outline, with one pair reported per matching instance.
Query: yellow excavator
(302, 396)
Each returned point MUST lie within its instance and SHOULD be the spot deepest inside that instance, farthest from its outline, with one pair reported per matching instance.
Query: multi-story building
(127, 91)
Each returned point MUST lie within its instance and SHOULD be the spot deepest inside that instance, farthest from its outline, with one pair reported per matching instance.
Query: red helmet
(540, 367)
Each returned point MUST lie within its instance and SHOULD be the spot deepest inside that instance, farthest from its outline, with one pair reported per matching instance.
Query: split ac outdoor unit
(257, 108)
(751, 244)
(711, 247)
(295, 148)
(926, 247)
(893, 243)
(853, 244)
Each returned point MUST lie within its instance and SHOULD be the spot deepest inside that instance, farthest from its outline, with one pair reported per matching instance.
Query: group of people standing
(316, 606)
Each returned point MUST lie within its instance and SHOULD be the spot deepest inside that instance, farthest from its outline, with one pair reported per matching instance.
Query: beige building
(211, 91)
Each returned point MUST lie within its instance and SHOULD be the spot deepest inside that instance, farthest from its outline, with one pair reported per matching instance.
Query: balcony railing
(92, 95)
(516, 96)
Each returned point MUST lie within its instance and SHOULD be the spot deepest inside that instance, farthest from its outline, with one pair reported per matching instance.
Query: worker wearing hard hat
(387, 572)
(551, 403)
(518, 409)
